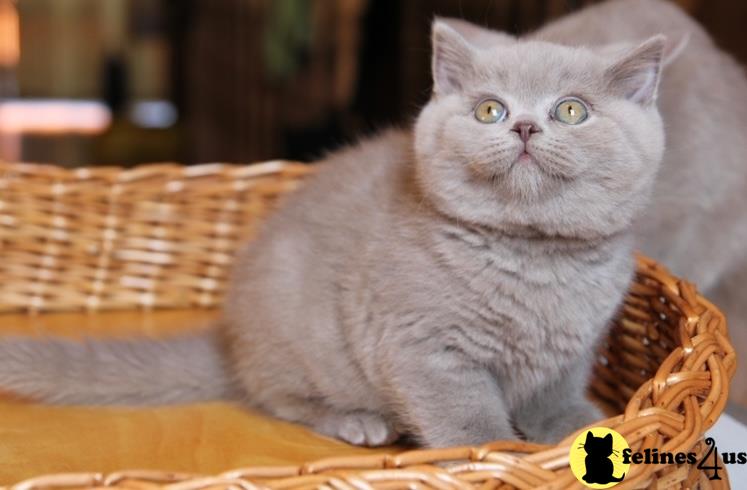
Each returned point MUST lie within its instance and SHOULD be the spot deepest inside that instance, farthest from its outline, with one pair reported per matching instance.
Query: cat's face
(532, 135)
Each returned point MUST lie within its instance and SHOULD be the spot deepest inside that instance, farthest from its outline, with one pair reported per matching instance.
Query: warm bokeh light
(53, 116)
(10, 50)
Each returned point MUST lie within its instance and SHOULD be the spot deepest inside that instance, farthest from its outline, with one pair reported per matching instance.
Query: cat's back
(622, 20)
(350, 182)
(347, 190)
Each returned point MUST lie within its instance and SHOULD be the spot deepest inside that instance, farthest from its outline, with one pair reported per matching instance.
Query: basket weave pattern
(164, 235)
(107, 238)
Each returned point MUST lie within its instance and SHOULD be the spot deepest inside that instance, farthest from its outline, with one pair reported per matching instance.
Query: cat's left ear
(480, 37)
(452, 59)
(608, 438)
(636, 75)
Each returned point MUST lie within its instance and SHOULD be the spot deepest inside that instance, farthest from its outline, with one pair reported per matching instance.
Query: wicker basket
(106, 238)
(164, 235)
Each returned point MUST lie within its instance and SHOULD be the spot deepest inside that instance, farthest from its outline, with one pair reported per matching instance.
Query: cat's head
(594, 137)
(598, 446)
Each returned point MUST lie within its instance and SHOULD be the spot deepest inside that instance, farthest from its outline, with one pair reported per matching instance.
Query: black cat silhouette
(599, 466)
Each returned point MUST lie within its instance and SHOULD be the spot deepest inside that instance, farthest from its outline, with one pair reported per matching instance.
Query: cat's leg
(446, 401)
(358, 427)
(557, 409)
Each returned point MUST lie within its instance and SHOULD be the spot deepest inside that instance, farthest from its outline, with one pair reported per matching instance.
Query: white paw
(360, 428)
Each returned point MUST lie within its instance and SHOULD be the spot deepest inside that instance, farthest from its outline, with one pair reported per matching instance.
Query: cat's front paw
(360, 428)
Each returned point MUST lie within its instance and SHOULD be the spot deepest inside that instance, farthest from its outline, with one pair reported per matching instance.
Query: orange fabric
(202, 438)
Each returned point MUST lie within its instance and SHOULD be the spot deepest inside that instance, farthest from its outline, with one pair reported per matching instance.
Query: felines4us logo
(601, 457)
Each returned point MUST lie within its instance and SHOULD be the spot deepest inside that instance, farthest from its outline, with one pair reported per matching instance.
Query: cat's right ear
(589, 437)
(452, 59)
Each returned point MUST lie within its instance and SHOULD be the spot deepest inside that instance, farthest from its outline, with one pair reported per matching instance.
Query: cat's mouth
(528, 159)
(525, 157)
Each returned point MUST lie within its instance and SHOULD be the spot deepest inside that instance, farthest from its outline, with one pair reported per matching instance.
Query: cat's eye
(571, 111)
(490, 111)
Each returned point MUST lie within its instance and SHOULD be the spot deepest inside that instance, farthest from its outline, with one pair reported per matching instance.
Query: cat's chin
(526, 164)
(530, 162)
(527, 179)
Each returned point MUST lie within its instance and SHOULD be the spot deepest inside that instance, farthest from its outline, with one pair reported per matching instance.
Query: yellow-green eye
(571, 111)
(490, 111)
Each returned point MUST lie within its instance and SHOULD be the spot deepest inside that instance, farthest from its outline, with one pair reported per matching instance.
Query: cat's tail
(116, 372)
(617, 479)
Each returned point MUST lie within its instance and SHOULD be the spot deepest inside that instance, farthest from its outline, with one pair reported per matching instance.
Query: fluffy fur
(435, 282)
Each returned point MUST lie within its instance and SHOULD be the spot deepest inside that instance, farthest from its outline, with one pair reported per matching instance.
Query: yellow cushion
(204, 438)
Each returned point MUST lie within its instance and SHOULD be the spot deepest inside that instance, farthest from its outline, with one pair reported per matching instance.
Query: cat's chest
(531, 309)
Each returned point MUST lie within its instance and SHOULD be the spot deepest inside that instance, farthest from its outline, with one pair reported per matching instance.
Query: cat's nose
(525, 129)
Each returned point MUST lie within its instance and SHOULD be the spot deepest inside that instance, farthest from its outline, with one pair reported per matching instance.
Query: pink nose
(525, 129)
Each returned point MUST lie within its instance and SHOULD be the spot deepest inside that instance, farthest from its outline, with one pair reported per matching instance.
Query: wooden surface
(160, 323)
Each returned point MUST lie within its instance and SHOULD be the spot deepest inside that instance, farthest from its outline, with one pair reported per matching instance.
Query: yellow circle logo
(596, 457)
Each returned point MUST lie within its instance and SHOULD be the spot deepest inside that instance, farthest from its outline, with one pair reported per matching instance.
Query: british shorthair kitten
(450, 282)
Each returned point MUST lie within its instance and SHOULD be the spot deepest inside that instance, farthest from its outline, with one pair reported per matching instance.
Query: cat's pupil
(490, 111)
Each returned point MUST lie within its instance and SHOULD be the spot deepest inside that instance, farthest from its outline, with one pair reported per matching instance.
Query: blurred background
(88, 82)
